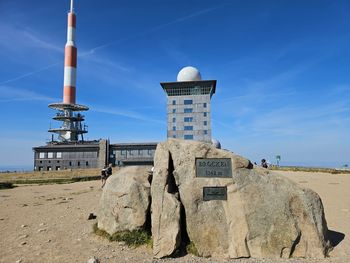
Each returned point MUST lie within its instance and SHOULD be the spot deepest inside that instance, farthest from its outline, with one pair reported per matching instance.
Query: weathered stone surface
(265, 215)
(125, 200)
(166, 210)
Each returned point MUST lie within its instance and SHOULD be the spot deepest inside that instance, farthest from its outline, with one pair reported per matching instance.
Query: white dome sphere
(189, 74)
(216, 143)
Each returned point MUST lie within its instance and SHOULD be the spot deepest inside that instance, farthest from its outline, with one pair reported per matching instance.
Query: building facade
(63, 155)
(122, 154)
(188, 106)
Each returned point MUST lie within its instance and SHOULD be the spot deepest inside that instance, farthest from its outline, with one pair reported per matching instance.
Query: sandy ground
(49, 223)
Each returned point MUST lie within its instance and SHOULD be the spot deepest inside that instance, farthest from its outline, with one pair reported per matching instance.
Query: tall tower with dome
(188, 105)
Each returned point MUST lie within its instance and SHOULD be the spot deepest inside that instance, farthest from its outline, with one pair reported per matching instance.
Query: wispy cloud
(34, 39)
(126, 113)
(8, 94)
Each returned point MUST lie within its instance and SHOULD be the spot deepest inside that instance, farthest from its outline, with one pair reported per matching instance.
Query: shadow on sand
(335, 237)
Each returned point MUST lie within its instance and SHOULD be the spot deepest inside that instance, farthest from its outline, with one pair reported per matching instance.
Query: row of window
(186, 128)
(188, 91)
(68, 155)
(190, 102)
(190, 110)
(133, 152)
(190, 119)
(50, 155)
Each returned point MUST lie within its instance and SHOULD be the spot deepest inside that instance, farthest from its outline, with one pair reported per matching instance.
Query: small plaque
(215, 193)
(214, 167)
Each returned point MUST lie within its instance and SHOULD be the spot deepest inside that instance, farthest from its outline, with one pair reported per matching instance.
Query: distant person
(264, 163)
(109, 170)
(103, 176)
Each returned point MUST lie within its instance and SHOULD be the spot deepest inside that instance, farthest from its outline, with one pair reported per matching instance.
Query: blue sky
(282, 71)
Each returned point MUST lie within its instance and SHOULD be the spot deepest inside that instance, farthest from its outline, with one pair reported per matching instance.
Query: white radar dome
(216, 143)
(189, 74)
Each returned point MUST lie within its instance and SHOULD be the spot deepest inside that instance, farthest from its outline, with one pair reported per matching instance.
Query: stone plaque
(214, 167)
(215, 193)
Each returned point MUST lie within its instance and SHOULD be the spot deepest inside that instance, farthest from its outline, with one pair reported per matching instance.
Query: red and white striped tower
(72, 128)
(70, 60)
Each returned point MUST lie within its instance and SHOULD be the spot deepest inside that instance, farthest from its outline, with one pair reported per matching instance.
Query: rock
(91, 216)
(93, 260)
(23, 226)
(41, 230)
(23, 236)
(265, 215)
(125, 200)
(19, 261)
(165, 216)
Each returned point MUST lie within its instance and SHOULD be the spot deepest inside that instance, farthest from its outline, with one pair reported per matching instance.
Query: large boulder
(125, 200)
(263, 215)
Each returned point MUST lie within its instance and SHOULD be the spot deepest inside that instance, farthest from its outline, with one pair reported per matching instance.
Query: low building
(70, 155)
(122, 154)
(91, 154)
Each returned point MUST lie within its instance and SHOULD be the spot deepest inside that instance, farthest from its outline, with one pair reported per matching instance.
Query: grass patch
(131, 238)
(52, 180)
(191, 249)
(6, 185)
(309, 169)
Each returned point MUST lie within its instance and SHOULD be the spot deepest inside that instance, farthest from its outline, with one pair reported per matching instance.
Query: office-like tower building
(188, 106)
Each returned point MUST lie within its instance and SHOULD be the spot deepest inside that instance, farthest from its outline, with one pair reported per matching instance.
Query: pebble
(23, 226)
(42, 224)
(19, 261)
(93, 260)
(41, 230)
(23, 243)
(23, 236)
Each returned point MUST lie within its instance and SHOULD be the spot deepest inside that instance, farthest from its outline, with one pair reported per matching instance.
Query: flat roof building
(188, 106)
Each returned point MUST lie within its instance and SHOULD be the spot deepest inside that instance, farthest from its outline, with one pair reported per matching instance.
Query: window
(131, 152)
(188, 119)
(205, 114)
(78, 163)
(149, 151)
(87, 163)
(123, 152)
(58, 155)
(70, 163)
(205, 123)
(188, 110)
(204, 105)
(188, 137)
(174, 102)
(49, 168)
(40, 168)
(174, 119)
(174, 110)
(50, 155)
(58, 168)
(140, 152)
(188, 128)
(41, 155)
(205, 132)
(174, 128)
(188, 102)
(174, 136)
(58, 162)
(41, 162)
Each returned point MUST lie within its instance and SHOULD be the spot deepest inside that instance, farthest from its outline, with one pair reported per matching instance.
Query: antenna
(71, 6)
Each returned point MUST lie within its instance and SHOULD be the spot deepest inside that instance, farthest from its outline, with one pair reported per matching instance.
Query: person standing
(109, 170)
(264, 163)
(103, 176)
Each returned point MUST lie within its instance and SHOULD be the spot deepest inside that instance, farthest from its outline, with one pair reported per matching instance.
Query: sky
(282, 71)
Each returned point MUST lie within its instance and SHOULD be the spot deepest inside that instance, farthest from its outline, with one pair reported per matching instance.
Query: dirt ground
(49, 223)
